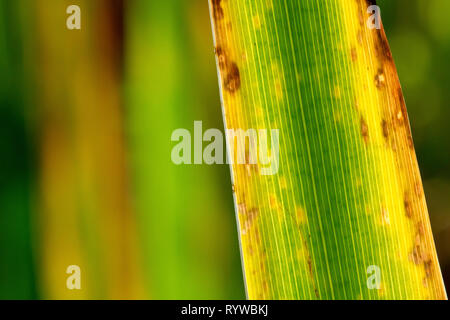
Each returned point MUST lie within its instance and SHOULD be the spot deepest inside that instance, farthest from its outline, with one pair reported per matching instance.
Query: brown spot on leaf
(385, 129)
(247, 217)
(364, 130)
(408, 205)
(420, 229)
(221, 57)
(415, 256)
(232, 80)
(311, 274)
(402, 114)
(380, 79)
(383, 49)
(229, 69)
(428, 268)
(217, 9)
(410, 141)
(251, 165)
(419, 189)
(354, 54)
(419, 254)
(310, 264)
(310, 268)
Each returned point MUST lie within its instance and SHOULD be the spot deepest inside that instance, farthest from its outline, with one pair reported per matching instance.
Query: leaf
(347, 199)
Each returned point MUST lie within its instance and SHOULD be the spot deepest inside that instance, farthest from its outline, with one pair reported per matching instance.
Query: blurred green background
(85, 124)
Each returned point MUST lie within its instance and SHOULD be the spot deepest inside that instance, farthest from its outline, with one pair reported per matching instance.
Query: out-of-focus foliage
(185, 213)
(86, 173)
(17, 270)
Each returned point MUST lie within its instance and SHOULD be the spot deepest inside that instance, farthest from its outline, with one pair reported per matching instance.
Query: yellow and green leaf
(348, 195)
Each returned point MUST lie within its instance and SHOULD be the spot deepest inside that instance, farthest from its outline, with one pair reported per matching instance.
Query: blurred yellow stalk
(84, 217)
